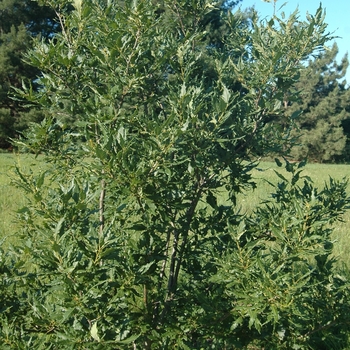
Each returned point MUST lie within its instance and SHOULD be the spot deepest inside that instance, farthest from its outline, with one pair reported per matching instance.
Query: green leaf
(183, 90)
(94, 331)
(278, 162)
(40, 179)
(281, 176)
(226, 95)
(211, 200)
(190, 168)
(129, 340)
(101, 153)
(59, 226)
(146, 268)
(302, 164)
(78, 5)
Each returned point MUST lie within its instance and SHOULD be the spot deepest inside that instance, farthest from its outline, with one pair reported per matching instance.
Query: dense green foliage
(128, 241)
(323, 128)
(324, 105)
(19, 21)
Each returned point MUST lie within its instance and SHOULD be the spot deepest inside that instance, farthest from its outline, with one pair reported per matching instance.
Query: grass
(12, 199)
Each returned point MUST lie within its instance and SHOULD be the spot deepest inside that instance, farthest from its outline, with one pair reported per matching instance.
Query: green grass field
(12, 199)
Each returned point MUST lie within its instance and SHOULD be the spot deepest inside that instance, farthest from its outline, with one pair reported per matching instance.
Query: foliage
(278, 275)
(127, 241)
(19, 20)
(324, 101)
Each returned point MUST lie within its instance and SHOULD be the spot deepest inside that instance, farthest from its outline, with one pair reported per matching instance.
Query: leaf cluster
(19, 21)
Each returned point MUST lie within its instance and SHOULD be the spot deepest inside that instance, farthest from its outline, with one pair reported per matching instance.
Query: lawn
(12, 199)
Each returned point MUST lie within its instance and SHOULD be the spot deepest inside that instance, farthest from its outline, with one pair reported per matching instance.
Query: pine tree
(19, 21)
(324, 108)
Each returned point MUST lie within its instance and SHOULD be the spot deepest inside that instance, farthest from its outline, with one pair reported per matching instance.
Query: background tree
(19, 21)
(132, 238)
(324, 102)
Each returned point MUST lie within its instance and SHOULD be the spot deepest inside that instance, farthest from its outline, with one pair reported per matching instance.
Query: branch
(180, 20)
(62, 27)
(190, 212)
(177, 254)
(102, 205)
(162, 272)
(172, 282)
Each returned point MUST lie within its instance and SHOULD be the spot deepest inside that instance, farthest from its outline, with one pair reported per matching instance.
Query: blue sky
(337, 17)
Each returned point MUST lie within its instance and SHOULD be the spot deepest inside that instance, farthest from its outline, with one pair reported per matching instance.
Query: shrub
(128, 241)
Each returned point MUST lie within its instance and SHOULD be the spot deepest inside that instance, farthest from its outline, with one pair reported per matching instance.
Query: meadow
(12, 198)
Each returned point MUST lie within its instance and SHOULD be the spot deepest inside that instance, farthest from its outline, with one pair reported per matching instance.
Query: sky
(337, 17)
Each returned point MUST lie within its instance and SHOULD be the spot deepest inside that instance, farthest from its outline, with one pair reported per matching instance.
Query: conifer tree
(324, 106)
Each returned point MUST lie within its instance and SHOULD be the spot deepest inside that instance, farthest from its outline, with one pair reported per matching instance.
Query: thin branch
(62, 27)
(162, 271)
(180, 20)
(102, 205)
(171, 280)
(189, 215)
(177, 254)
